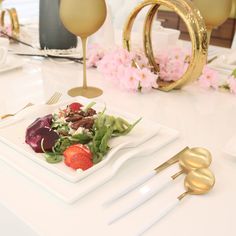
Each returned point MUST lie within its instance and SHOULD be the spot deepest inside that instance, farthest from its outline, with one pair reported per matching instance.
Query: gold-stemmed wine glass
(83, 18)
(214, 12)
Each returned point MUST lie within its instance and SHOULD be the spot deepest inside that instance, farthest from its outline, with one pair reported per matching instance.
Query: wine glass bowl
(214, 12)
(83, 18)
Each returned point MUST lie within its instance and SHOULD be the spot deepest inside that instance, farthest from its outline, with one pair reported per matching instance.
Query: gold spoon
(189, 159)
(197, 182)
(192, 159)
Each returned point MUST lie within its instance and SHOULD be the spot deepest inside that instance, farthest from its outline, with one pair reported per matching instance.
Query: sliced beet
(48, 138)
(33, 136)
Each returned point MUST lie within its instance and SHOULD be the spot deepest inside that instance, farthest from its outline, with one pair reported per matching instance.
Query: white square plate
(12, 133)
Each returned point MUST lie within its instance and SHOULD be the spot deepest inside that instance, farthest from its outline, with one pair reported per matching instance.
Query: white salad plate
(11, 64)
(12, 134)
(71, 192)
(230, 147)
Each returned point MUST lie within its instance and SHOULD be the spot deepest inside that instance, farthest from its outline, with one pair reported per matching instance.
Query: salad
(75, 134)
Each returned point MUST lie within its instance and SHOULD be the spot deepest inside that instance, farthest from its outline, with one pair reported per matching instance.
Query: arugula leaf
(234, 73)
(53, 158)
(103, 147)
(61, 145)
(64, 142)
(105, 127)
(83, 138)
(122, 127)
(99, 145)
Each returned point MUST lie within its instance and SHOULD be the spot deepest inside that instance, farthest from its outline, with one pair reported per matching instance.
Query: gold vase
(197, 31)
(14, 22)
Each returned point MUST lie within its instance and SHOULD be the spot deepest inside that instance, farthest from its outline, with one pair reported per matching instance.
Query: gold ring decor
(15, 26)
(196, 28)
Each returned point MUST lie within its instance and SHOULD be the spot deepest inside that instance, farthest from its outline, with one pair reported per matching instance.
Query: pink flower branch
(116, 66)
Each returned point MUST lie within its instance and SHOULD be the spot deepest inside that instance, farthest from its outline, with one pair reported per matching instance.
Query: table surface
(204, 118)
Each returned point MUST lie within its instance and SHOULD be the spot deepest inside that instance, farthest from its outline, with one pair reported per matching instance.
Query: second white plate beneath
(71, 192)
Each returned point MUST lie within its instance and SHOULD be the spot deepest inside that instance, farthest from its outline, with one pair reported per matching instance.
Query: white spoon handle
(116, 166)
(145, 197)
(131, 187)
(157, 218)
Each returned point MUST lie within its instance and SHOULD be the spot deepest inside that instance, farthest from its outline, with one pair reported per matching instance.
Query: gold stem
(171, 161)
(84, 41)
(177, 174)
(183, 195)
(209, 31)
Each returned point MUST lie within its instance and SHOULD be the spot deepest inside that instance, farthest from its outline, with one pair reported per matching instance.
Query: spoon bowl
(195, 158)
(192, 159)
(199, 181)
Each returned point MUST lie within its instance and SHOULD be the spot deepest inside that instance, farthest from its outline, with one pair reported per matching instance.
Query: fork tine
(28, 105)
(54, 98)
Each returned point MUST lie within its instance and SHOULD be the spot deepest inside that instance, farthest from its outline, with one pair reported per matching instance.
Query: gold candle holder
(15, 26)
(197, 31)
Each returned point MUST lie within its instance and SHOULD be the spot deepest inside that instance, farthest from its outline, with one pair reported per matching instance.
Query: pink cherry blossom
(6, 29)
(130, 80)
(232, 84)
(172, 62)
(209, 78)
(141, 60)
(117, 66)
(147, 79)
(94, 53)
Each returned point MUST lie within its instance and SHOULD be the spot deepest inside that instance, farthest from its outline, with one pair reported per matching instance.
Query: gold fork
(52, 100)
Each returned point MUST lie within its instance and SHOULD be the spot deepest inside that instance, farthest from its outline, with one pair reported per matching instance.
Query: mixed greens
(77, 134)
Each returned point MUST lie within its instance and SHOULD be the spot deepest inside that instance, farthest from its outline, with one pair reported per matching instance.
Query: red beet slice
(38, 130)
(48, 138)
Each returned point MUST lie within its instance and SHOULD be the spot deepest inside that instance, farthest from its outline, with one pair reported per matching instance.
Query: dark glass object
(52, 33)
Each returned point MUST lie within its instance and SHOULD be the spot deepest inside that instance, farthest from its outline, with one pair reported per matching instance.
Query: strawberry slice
(75, 106)
(78, 156)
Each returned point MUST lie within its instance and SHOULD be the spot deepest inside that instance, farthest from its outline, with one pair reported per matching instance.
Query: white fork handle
(144, 198)
(157, 218)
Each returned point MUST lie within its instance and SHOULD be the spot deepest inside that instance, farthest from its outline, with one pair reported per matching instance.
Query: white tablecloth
(203, 118)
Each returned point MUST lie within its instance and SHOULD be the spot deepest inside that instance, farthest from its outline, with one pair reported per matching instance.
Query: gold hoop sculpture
(15, 26)
(197, 31)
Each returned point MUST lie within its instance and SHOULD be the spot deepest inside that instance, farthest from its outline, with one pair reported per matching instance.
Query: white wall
(28, 10)
(121, 9)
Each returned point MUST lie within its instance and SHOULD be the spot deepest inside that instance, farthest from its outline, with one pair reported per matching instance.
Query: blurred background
(28, 11)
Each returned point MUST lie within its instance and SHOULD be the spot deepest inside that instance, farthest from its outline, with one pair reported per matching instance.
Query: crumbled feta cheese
(61, 120)
(80, 130)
